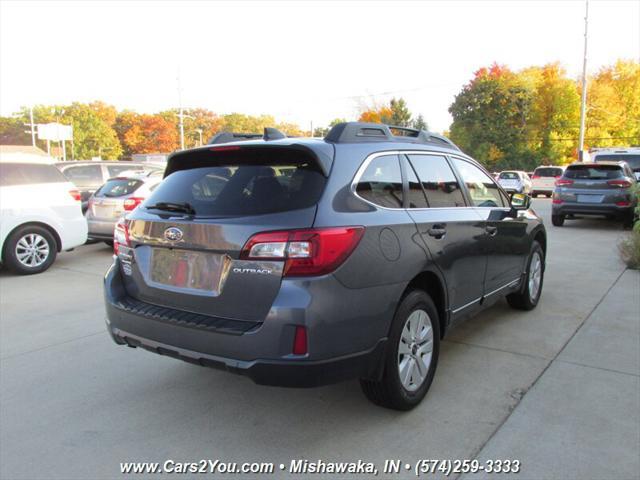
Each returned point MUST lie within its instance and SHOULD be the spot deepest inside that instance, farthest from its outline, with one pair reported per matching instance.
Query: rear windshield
(118, 187)
(258, 185)
(632, 160)
(548, 172)
(29, 174)
(593, 172)
(509, 176)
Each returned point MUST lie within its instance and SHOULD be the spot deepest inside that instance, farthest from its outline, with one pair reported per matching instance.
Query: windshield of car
(118, 187)
(632, 160)
(593, 172)
(548, 172)
(509, 176)
(237, 189)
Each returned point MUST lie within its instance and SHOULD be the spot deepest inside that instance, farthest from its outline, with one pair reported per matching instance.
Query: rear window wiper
(184, 207)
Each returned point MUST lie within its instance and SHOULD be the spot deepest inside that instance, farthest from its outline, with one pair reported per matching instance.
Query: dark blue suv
(301, 262)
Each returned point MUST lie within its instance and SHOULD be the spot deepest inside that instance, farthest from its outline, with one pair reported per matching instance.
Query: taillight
(300, 341)
(557, 201)
(623, 203)
(132, 202)
(315, 251)
(619, 183)
(75, 194)
(563, 181)
(533, 177)
(120, 236)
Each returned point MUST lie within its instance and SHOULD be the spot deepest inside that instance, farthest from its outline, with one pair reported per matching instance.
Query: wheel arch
(432, 283)
(540, 236)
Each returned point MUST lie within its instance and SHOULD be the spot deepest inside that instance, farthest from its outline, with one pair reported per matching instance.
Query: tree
(400, 114)
(92, 136)
(419, 123)
(147, 133)
(12, 132)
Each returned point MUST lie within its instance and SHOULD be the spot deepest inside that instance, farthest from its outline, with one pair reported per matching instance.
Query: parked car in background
(544, 179)
(40, 215)
(88, 176)
(302, 262)
(603, 188)
(629, 155)
(116, 198)
(515, 181)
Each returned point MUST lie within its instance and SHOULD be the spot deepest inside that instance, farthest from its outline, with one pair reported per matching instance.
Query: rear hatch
(186, 239)
(545, 177)
(108, 203)
(509, 181)
(593, 183)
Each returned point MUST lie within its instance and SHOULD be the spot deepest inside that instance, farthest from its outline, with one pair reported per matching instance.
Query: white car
(544, 180)
(515, 181)
(618, 154)
(40, 214)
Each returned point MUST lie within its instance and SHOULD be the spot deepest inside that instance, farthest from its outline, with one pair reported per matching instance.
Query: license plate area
(188, 271)
(590, 198)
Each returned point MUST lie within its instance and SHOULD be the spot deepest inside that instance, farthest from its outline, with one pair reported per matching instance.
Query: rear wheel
(528, 296)
(30, 249)
(557, 220)
(628, 220)
(412, 355)
(548, 195)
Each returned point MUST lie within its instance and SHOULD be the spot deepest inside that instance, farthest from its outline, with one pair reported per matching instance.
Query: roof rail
(360, 132)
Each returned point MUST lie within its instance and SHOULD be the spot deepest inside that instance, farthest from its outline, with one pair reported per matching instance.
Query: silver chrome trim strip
(466, 305)
(513, 282)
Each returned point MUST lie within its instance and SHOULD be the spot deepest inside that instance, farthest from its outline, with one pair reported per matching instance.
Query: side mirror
(520, 201)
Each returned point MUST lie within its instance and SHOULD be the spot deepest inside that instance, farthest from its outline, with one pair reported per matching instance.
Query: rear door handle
(491, 230)
(437, 231)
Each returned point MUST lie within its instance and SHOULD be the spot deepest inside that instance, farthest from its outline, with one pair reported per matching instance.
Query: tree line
(504, 118)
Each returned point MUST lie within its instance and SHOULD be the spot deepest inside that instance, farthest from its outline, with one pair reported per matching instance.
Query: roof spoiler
(360, 132)
(228, 137)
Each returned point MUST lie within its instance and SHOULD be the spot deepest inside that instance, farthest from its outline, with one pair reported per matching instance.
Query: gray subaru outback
(301, 262)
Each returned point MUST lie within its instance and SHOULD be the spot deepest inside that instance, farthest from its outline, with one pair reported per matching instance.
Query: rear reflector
(307, 252)
(300, 341)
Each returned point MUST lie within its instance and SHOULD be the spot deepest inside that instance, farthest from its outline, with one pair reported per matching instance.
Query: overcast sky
(299, 61)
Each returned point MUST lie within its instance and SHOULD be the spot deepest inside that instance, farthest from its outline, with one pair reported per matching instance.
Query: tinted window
(118, 187)
(632, 160)
(84, 175)
(252, 188)
(482, 189)
(509, 176)
(548, 172)
(381, 182)
(439, 182)
(593, 172)
(29, 173)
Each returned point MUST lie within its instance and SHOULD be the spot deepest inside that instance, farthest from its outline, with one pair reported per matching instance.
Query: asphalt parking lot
(557, 388)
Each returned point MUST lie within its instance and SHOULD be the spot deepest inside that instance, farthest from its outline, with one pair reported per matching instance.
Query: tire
(628, 220)
(27, 239)
(548, 195)
(109, 242)
(557, 220)
(418, 310)
(529, 295)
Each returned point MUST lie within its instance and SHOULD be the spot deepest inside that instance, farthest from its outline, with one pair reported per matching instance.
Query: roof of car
(598, 164)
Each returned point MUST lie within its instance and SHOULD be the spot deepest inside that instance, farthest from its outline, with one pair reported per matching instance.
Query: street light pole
(583, 105)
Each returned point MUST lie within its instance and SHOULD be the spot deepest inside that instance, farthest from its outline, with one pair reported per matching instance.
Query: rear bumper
(589, 209)
(259, 350)
(101, 230)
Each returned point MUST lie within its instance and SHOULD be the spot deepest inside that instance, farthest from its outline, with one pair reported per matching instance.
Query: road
(75, 405)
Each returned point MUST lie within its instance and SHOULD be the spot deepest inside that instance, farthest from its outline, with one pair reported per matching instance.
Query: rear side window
(29, 174)
(84, 175)
(118, 187)
(251, 184)
(548, 172)
(593, 172)
(438, 181)
(482, 189)
(381, 182)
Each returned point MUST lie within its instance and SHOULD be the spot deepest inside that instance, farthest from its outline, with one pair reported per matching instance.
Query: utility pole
(181, 115)
(32, 127)
(583, 105)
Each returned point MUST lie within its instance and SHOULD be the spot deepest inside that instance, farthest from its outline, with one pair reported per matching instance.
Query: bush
(630, 246)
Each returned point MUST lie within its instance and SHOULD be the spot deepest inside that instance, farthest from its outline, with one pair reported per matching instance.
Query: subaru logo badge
(173, 234)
